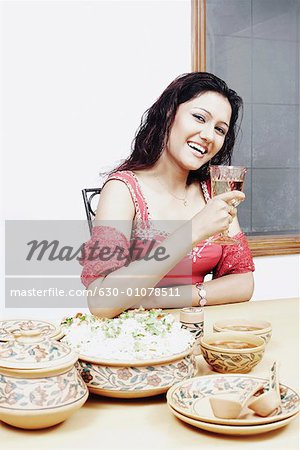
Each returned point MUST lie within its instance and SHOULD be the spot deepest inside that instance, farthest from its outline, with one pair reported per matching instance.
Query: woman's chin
(194, 165)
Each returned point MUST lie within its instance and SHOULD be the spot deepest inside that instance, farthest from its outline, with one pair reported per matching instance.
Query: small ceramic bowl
(232, 360)
(255, 327)
(132, 379)
(39, 383)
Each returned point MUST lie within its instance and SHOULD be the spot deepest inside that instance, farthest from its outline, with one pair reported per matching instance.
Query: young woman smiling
(162, 192)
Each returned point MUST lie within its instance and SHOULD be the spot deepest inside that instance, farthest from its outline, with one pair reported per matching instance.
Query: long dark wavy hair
(153, 133)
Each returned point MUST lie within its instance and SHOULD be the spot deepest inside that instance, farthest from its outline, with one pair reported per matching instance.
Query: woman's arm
(231, 288)
(228, 289)
(116, 209)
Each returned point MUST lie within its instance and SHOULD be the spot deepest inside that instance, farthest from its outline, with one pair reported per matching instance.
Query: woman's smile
(198, 148)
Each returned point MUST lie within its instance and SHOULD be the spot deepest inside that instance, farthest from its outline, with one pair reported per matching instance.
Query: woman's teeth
(197, 147)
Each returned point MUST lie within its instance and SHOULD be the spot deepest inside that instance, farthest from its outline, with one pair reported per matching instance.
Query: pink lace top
(204, 258)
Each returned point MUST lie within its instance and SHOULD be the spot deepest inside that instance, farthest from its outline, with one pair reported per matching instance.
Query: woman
(193, 124)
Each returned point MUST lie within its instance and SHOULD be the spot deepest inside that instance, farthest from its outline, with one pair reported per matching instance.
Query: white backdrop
(76, 77)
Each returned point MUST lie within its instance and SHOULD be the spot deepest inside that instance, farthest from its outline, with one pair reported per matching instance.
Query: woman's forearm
(228, 289)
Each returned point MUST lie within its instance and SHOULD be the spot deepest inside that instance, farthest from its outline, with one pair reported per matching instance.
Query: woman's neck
(173, 176)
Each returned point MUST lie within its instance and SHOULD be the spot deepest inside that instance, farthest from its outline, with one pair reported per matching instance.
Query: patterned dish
(191, 398)
(236, 430)
(226, 360)
(138, 378)
(39, 385)
(263, 329)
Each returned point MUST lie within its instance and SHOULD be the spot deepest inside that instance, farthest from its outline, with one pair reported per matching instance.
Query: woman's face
(199, 130)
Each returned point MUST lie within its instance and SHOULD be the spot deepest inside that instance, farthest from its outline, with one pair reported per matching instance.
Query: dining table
(147, 423)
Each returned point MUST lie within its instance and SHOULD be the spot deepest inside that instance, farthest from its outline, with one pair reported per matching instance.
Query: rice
(134, 335)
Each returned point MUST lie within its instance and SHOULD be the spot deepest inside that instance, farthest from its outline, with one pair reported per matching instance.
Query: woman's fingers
(218, 214)
(232, 211)
(229, 197)
(235, 203)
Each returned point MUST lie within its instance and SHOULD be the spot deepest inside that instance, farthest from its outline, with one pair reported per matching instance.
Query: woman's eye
(202, 119)
(220, 130)
(198, 117)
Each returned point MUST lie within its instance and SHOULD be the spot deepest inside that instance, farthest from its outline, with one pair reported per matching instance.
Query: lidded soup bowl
(39, 384)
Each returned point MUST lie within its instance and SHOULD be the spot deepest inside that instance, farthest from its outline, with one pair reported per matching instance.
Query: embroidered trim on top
(138, 186)
(140, 216)
(196, 251)
(205, 191)
(148, 232)
(235, 258)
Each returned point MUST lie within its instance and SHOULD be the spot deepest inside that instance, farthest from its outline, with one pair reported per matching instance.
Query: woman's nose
(207, 133)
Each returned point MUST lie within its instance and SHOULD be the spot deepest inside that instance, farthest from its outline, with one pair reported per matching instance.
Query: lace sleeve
(105, 252)
(235, 258)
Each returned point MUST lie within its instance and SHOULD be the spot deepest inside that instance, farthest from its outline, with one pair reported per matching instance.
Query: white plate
(191, 398)
(233, 430)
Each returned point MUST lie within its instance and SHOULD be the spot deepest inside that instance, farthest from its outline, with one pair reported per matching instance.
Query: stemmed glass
(224, 179)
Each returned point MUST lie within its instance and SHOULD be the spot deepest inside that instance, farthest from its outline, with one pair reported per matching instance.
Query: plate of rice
(134, 336)
(138, 354)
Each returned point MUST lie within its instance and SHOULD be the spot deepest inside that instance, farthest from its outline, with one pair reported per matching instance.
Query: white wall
(77, 75)
(276, 277)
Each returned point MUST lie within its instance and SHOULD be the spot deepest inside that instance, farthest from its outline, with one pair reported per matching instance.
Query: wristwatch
(202, 294)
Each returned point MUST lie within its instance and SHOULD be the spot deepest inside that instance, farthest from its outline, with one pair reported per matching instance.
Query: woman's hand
(216, 216)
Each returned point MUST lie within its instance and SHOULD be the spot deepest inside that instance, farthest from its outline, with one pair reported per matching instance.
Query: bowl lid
(45, 353)
(12, 328)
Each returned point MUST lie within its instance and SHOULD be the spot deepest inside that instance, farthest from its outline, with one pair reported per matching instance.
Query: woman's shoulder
(123, 187)
(115, 202)
(121, 182)
(122, 175)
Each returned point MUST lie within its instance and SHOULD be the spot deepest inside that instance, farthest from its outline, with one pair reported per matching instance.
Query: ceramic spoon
(270, 400)
(230, 407)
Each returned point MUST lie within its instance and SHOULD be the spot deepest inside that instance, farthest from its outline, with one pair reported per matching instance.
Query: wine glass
(224, 179)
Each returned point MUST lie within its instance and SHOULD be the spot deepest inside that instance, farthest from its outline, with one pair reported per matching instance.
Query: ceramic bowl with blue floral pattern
(134, 379)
